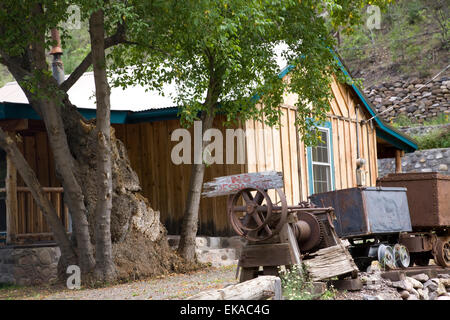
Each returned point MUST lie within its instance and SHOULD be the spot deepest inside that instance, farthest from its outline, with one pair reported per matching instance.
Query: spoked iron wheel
(256, 219)
(442, 256)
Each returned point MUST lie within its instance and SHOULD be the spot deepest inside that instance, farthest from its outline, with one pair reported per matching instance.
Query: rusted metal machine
(278, 234)
(429, 205)
(371, 219)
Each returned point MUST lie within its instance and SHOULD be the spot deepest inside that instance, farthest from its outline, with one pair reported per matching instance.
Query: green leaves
(217, 52)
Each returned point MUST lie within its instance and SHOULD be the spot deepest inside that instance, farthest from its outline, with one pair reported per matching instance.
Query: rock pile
(424, 104)
(421, 287)
(416, 287)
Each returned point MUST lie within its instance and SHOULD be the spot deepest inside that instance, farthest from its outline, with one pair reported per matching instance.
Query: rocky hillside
(413, 41)
(410, 98)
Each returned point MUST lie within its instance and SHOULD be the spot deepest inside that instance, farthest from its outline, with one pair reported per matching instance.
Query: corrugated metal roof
(82, 94)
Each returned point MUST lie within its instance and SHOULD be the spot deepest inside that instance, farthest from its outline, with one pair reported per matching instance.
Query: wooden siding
(165, 184)
(288, 152)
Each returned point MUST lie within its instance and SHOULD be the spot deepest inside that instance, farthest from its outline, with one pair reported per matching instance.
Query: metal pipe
(357, 133)
(56, 52)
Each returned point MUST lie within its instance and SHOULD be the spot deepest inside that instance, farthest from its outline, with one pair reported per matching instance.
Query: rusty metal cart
(429, 205)
(371, 219)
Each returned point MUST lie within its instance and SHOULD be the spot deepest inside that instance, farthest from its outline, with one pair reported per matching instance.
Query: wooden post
(398, 161)
(11, 200)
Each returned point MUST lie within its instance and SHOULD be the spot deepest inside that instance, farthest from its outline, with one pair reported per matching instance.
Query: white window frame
(329, 163)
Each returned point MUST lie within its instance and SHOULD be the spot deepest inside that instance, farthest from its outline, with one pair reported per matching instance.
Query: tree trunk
(104, 268)
(186, 247)
(65, 166)
(139, 243)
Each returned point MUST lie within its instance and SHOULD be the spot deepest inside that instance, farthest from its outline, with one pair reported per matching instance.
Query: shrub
(434, 139)
(299, 286)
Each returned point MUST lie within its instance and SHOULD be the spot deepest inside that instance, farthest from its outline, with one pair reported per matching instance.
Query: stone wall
(29, 266)
(421, 130)
(427, 103)
(431, 160)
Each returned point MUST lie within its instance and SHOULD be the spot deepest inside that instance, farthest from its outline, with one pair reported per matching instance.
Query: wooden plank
(340, 103)
(152, 150)
(342, 163)
(348, 155)
(156, 160)
(293, 157)
(260, 147)
(336, 153)
(146, 151)
(162, 169)
(42, 159)
(53, 181)
(365, 151)
(266, 255)
(375, 156)
(286, 156)
(330, 262)
(11, 200)
(269, 155)
(20, 146)
(22, 225)
(232, 184)
(277, 152)
(251, 147)
(169, 166)
(42, 172)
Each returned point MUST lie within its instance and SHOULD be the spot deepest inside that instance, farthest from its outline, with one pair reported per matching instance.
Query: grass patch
(299, 286)
(433, 140)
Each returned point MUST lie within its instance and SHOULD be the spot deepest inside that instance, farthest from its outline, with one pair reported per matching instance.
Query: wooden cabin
(147, 136)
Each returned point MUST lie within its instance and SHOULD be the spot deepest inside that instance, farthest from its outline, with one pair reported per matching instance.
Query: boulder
(431, 285)
(422, 277)
(404, 285)
(415, 283)
(404, 294)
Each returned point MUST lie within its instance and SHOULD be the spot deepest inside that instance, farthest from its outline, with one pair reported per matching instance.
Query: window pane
(320, 152)
(322, 178)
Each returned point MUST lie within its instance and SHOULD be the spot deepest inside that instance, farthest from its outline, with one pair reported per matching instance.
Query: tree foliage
(233, 42)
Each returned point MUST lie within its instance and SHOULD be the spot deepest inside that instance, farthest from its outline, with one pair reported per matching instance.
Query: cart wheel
(386, 256)
(442, 256)
(402, 258)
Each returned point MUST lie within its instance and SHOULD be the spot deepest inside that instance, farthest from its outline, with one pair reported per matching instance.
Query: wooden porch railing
(28, 223)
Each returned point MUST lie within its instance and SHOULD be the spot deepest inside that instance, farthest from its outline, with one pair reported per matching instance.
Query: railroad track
(398, 274)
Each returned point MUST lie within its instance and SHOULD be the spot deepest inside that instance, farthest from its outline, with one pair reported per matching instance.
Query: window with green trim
(321, 163)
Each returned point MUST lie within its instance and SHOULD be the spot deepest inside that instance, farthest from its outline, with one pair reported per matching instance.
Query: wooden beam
(260, 288)
(398, 161)
(11, 200)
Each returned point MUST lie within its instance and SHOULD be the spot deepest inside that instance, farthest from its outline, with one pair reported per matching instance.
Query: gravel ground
(170, 287)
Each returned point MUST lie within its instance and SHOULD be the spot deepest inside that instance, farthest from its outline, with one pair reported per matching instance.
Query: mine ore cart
(371, 219)
(429, 207)
(279, 234)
